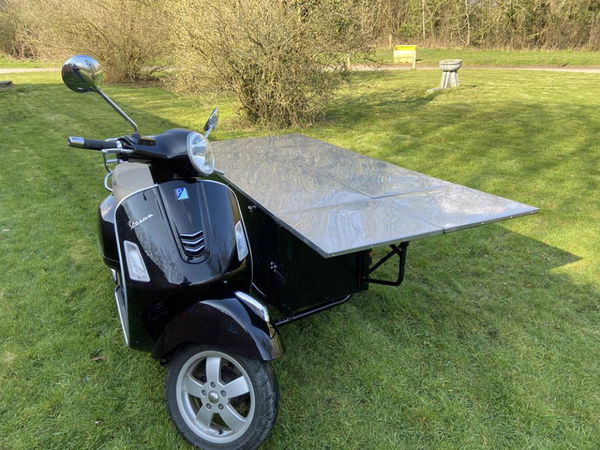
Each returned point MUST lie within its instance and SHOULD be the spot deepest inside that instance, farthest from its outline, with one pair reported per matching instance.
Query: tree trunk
(423, 17)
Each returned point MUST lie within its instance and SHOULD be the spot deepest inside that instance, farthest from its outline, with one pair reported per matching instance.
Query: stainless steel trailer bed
(339, 202)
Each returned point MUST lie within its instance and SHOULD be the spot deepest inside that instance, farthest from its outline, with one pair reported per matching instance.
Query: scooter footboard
(227, 323)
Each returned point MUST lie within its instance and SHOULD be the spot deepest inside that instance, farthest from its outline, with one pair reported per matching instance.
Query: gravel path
(365, 68)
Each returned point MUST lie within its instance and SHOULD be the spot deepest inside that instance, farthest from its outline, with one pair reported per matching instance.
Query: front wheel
(218, 400)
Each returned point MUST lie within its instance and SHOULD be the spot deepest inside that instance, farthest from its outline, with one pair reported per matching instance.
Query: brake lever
(112, 151)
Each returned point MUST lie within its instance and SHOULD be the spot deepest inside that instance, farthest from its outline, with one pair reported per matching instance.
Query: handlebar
(90, 144)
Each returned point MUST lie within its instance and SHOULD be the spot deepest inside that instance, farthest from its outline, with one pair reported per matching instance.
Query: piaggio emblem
(181, 193)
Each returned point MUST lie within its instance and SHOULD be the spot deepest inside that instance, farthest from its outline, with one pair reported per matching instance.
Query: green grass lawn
(491, 342)
(493, 57)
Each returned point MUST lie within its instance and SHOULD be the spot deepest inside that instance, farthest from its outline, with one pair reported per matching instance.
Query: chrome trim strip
(106, 177)
(261, 293)
(123, 279)
(190, 236)
(188, 242)
(254, 304)
(194, 249)
(122, 316)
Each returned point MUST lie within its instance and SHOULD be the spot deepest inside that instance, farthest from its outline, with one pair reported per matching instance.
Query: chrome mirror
(82, 73)
(212, 122)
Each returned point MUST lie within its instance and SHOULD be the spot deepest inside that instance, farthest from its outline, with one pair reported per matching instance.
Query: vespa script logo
(135, 223)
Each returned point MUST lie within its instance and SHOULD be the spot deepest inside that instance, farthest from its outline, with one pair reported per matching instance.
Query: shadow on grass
(489, 342)
(483, 339)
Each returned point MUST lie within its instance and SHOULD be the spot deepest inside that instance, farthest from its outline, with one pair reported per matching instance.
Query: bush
(282, 59)
(16, 29)
(127, 37)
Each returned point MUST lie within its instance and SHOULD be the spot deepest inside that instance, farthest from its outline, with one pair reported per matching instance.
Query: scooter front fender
(228, 324)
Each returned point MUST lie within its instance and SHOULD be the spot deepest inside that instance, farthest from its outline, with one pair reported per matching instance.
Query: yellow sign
(412, 48)
(406, 54)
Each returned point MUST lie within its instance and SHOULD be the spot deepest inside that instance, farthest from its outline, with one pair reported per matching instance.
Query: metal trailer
(314, 212)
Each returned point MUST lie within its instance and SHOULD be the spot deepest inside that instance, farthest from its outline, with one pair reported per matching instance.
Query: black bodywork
(191, 295)
(154, 220)
(295, 279)
(292, 276)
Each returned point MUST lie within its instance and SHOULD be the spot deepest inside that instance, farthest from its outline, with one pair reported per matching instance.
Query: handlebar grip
(89, 144)
(95, 144)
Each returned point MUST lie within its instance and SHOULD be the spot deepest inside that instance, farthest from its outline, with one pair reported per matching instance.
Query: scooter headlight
(200, 153)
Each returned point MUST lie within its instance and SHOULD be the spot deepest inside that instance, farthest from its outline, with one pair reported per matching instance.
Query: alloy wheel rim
(215, 396)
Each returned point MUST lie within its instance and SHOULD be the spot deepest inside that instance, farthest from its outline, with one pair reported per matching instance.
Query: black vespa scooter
(176, 240)
(176, 244)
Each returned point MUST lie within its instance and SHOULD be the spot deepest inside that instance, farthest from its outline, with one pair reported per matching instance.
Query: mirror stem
(119, 110)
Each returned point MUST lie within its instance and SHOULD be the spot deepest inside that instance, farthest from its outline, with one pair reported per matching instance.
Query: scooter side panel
(154, 220)
(106, 232)
(289, 274)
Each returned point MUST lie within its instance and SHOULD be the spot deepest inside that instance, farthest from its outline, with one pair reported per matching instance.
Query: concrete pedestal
(450, 73)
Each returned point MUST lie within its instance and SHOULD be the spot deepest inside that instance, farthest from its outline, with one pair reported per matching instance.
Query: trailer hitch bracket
(396, 250)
